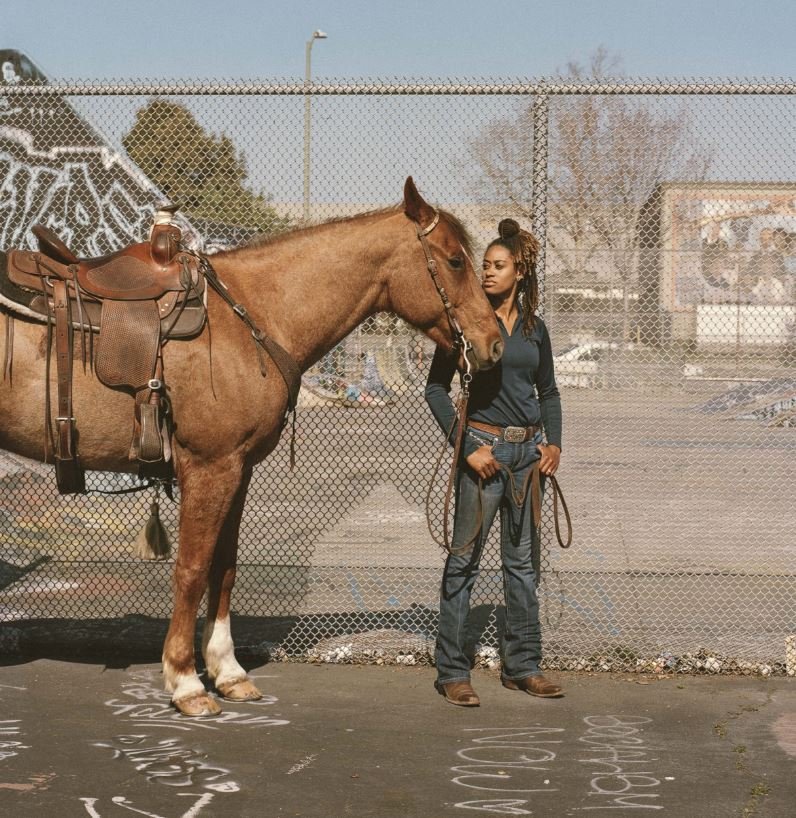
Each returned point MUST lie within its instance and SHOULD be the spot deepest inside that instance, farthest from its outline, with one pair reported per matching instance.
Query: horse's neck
(310, 289)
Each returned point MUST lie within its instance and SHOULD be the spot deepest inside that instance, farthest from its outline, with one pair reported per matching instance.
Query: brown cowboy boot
(459, 693)
(535, 686)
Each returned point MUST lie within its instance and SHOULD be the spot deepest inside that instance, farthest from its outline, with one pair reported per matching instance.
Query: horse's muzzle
(478, 363)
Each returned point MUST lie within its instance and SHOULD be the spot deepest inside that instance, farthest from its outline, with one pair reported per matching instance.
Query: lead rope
(532, 479)
(460, 415)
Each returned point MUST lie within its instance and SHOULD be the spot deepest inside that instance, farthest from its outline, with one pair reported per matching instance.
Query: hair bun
(507, 228)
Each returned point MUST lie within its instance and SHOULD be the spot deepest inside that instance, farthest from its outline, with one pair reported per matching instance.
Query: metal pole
(316, 35)
(295, 88)
(540, 174)
(307, 115)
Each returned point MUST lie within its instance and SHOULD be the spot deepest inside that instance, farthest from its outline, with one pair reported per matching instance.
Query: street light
(316, 35)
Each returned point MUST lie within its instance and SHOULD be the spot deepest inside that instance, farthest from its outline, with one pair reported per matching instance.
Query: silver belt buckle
(514, 434)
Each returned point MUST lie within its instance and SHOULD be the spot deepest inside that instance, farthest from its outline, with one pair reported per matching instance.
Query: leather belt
(511, 434)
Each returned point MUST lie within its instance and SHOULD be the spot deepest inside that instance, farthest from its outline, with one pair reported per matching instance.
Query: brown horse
(307, 290)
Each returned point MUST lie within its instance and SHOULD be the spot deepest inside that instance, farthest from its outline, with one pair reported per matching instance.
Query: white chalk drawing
(10, 727)
(615, 751)
(203, 800)
(169, 762)
(508, 760)
(152, 707)
(9, 747)
(302, 764)
(519, 760)
(497, 807)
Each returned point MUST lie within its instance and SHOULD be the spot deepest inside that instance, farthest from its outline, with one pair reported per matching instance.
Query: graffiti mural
(55, 169)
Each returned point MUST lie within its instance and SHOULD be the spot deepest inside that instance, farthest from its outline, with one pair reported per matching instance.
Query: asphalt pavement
(80, 736)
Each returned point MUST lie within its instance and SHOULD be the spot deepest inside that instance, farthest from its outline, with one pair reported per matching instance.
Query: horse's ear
(415, 206)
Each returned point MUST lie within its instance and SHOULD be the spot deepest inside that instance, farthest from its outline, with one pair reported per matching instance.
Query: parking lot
(88, 736)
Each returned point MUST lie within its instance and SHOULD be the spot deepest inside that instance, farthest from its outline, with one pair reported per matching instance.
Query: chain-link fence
(667, 214)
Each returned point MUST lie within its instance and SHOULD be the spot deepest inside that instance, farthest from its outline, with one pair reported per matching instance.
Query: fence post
(539, 194)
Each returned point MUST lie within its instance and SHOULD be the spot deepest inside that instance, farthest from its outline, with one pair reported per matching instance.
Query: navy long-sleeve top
(519, 391)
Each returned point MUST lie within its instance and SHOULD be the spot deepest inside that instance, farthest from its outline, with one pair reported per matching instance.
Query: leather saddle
(134, 300)
(149, 271)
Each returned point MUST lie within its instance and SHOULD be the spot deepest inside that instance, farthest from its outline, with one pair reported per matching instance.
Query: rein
(533, 480)
(459, 342)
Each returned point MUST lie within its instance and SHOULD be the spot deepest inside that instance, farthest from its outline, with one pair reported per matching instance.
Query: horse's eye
(456, 263)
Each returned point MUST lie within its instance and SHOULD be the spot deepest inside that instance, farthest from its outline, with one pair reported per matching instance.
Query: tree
(607, 155)
(202, 173)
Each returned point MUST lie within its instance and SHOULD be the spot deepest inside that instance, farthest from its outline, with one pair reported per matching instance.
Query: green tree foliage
(202, 173)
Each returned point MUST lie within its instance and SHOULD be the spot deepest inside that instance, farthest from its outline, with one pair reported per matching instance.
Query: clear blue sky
(243, 39)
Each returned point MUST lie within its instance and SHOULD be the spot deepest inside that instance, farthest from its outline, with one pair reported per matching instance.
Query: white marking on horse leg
(181, 685)
(219, 652)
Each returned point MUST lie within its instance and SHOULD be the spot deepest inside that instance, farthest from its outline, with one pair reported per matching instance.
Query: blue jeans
(521, 639)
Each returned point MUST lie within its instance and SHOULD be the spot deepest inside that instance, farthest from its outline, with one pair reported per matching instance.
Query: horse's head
(446, 301)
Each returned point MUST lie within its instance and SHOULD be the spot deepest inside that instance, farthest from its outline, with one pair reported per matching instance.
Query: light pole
(316, 35)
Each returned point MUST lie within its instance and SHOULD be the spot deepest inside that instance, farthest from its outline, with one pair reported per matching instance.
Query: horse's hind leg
(229, 677)
(208, 492)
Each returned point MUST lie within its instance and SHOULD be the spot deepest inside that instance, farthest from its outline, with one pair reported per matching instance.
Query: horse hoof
(243, 691)
(200, 705)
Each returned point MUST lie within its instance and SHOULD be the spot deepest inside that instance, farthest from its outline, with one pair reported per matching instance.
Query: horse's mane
(265, 240)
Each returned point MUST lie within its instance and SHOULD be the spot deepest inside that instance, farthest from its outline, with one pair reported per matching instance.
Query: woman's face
(500, 274)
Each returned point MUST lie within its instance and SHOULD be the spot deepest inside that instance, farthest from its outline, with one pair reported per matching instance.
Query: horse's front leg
(208, 492)
(229, 678)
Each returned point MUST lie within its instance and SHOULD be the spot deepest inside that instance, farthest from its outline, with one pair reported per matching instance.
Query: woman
(502, 444)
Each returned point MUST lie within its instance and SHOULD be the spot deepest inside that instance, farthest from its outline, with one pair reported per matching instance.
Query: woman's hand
(551, 456)
(483, 462)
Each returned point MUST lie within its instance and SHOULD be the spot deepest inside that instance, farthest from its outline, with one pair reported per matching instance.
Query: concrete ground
(80, 736)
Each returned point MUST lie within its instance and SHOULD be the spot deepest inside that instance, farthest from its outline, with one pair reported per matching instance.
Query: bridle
(460, 341)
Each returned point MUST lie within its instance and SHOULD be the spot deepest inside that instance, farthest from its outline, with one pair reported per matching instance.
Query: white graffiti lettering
(9, 749)
(507, 760)
(501, 806)
(302, 764)
(65, 194)
(615, 744)
(170, 763)
(203, 800)
(10, 727)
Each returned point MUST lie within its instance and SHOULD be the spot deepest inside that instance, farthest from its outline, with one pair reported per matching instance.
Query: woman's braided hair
(524, 249)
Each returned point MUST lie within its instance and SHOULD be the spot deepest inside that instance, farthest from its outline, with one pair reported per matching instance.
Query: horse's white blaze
(219, 653)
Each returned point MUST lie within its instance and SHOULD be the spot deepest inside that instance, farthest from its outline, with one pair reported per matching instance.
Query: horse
(307, 289)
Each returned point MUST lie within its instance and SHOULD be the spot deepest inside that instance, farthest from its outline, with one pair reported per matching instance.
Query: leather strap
(9, 347)
(285, 363)
(459, 414)
(287, 367)
(431, 265)
(63, 363)
(69, 474)
(500, 431)
(532, 480)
